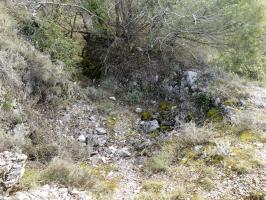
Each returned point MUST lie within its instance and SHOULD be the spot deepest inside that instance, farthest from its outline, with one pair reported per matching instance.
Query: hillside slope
(89, 139)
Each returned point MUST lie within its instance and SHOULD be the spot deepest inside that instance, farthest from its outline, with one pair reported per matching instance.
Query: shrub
(159, 163)
(47, 36)
(203, 30)
(66, 173)
(41, 152)
(192, 135)
(242, 161)
(30, 178)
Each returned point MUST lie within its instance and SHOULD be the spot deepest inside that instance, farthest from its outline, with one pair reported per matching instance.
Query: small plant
(256, 195)
(82, 176)
(134, 97)
(41, 152)
(165, 106)
(192, 135)
(47, 36)
(215, 115)
(252, 136)
(106, 107)
(146, 115)
(159, 163)
(95, 93)
(153, 186)
(30, 178)
(7, 105)
(203, 102)
(242, 161)
(206, 183)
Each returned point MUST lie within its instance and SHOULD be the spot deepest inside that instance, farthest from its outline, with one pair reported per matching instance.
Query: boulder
(11, 169)
(149, 126)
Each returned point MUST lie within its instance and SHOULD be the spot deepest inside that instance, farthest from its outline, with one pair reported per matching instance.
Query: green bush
(47, 36)
(203, 30)
(245, 53)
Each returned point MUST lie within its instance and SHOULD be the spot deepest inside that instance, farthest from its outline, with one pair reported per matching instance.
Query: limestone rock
(189, 78)
(100, 131)
(96, 140)
(138, 110)
(11, 168)
(82, 138)
(47, 192)
(124, 152)
(149, 126)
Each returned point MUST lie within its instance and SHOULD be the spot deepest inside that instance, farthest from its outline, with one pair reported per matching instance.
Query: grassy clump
(11, 142)
(255, 195)
(252, 136)
(146, 115)
(215, 115)
(159, 163)
(41, 152)
(84, 177)
(7, 105)
(165, 106)
(154, 191)
(242, 160)
(153, 186)
(31, 178)
(189, 136)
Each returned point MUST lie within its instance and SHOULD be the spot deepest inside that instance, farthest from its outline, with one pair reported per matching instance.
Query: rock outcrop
(47, 192)
(11, 169)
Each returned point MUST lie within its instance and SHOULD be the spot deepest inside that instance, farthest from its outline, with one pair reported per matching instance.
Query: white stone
(82, 138)
(100, 131)
(112, 98)
(112, 149)
(191, 77)
(138, 110)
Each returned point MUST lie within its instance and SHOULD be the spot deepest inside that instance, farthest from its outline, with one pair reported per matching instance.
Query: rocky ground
(134, 151)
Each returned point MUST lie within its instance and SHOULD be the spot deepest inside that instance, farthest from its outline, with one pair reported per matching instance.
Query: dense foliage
(153, 36)
(231, 33)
